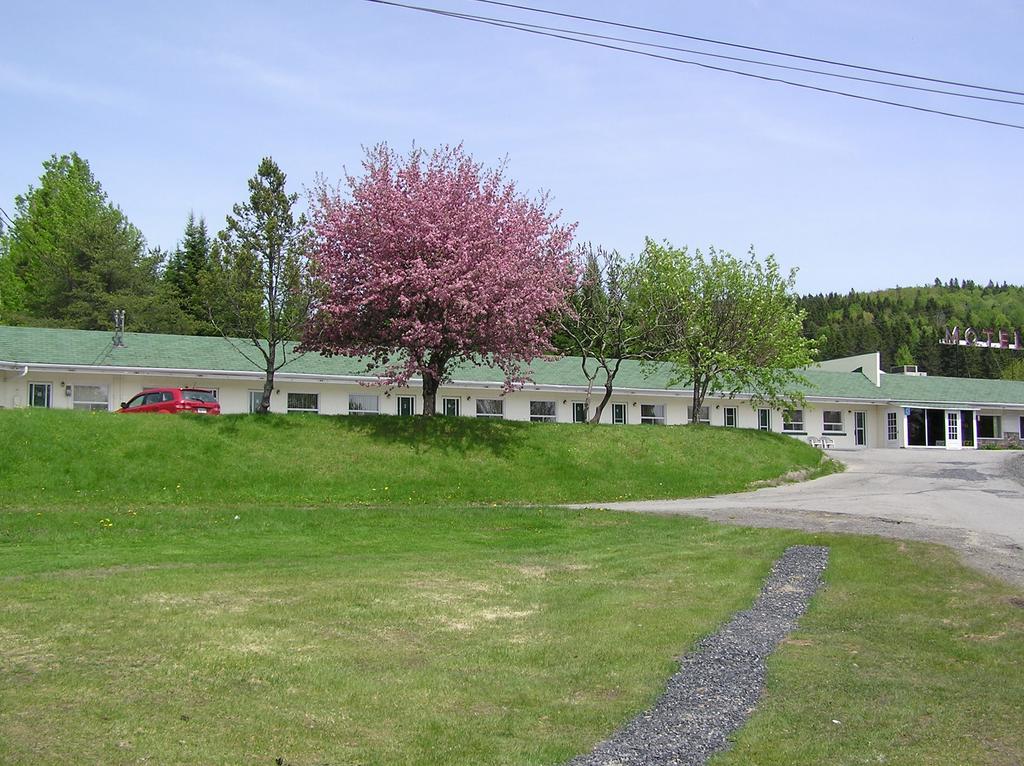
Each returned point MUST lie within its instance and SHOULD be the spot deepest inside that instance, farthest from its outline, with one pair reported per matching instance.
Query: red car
(172, 400)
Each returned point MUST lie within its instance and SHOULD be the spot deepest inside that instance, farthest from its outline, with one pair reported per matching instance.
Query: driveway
(970, 500)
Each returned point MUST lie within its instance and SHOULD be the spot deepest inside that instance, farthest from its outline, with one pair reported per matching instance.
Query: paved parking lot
(972, 500)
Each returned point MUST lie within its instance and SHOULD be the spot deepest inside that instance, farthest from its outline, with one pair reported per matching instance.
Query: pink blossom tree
(431, 260)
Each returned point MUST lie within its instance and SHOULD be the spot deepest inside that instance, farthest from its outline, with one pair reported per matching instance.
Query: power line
(746, 47)
(888, 83)
(15, 234)
(515, 26)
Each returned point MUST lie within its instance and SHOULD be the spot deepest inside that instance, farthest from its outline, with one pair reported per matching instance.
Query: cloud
(41, 86)
(266, 78)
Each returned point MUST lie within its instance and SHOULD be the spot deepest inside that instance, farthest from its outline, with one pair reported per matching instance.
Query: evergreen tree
(73, 258)
(258, 286)
(917, 318)
(1015, 369)
(903, 356)
(12, 291)
(185, 273)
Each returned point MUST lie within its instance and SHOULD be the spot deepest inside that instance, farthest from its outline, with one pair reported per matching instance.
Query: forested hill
(906, 323)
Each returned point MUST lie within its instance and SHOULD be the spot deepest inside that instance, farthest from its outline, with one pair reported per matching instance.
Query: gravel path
(718, 685)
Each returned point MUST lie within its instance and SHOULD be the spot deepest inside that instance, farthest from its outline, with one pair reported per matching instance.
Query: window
(652, 414)
(990, 427)
(619, 413)
(832, 421)
(450, 406)
(729, 418)
(305, 402)
(764, 419)
(39, 394)
(406, 406)
(255, 397)
(90, 398)
(363, 404)
(892, 431)
(542, 411)
(793, 421)
(579, 412)
(200, 394)
(490, 408)
(703, 416)
(135, 401)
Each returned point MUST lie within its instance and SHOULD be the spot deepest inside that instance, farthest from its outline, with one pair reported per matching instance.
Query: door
(952, 430)
(967, 428)
(39, 394)
(860, 429)
(255, 400)
(152, 401)
(407, 406)
(764, 419)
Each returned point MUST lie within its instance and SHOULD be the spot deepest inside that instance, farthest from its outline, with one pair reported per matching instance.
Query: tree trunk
(590, 387)
(433, 374)
(609, 379)
(698, 399)
(268, 385)
(430, 387)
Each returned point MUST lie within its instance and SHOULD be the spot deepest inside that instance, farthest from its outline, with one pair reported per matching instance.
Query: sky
(174, 105)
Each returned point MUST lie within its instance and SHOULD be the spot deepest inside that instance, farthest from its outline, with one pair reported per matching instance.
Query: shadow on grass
(462, 435)
(437, 434)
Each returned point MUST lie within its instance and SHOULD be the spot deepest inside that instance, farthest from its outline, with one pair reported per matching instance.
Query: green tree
(600, 326)
(1014, 370)
(72, 257)
(259, 287)
(185, 273)
(918, 317)
(12, 291)
(903, 356)
(726, 325)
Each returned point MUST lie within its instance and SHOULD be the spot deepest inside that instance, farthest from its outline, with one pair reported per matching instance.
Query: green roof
(912, 389)
(92, 348)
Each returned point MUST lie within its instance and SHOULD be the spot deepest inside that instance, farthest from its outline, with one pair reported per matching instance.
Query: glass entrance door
(952, 429)
(967, 428)
(39, 394)
(860, 429)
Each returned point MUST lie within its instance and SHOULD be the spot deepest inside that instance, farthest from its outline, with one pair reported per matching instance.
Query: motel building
(850, 403)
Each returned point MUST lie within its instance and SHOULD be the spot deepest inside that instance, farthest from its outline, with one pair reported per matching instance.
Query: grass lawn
(172, 632)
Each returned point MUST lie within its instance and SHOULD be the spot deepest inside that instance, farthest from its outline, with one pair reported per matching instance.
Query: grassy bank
(90, 459)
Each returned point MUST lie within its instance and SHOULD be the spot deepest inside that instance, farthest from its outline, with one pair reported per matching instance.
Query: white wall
(334, 400)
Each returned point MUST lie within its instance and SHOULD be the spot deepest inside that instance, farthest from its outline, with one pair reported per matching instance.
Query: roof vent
(908, 369)
(119, 328)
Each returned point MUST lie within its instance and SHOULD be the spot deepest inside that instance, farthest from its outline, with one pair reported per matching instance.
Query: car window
(166, 396)
(135, 401)
(198, 396)
(153, 398)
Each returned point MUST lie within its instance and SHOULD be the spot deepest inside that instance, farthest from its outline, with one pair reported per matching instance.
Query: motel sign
(1008, 339)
